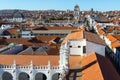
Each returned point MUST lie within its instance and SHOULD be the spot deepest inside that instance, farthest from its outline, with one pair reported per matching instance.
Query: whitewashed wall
(107, 41)
(114, 50)
(74, 50)
(27, 34)
(93, 47)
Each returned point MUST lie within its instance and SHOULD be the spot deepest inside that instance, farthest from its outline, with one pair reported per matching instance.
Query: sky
(100, 5)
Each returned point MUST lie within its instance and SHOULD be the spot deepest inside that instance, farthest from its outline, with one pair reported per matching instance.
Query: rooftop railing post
(31, 71)
(49, 71)
(15, 77)
(14, 64)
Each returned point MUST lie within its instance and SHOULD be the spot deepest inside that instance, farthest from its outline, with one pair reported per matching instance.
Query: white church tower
(76, 13)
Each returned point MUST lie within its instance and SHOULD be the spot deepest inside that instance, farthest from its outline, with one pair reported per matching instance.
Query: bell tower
(76, 13)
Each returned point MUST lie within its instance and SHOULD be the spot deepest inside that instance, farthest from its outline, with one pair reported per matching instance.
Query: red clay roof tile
(84, 35)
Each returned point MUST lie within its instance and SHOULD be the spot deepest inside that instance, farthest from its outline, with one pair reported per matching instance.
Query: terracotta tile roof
(84, 35)
(2, 41)
(47, 39)
(98, 26)
(55, 40)
(75, 30)
(12, 31)
(74, 36)
(93, 38)
(54, 50)
(25, 60)
(96, 67)
(91, 67)
(74, 61)
(54, 28)
(1, 46)
(101, 31)
(33, 53)
(115, 44)
(110, 29)
(111, 38)
(79, 29)
(103, 20)
(24, 41)
(107, 69)
(117, 36)
(1, 38)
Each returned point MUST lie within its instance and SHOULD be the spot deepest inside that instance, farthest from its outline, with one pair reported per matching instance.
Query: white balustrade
(23, 67)
(40, 67)
(6, 66)
(55, 67)
(61, 68)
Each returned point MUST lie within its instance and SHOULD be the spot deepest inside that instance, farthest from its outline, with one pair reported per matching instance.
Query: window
(79, 46)
(84, 49)
(70, 46)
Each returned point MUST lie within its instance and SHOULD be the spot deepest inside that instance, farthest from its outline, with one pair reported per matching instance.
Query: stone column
(60, 77)
(49, 76)
(14, 71)
(31, 72)
(1, 72)
(61, 56)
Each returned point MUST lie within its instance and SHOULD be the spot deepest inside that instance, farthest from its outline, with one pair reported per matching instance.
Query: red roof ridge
(84, 35)
(100, 63)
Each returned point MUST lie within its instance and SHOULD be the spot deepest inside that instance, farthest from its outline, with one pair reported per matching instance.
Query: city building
(57, 52)
(82, 42)
(76, 13)
(52, 31)
(12, 48)
(27, 34)
(4, 27)
(20, 67)
(15, 17)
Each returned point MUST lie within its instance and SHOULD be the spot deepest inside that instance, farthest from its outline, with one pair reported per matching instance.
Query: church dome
(76, 6)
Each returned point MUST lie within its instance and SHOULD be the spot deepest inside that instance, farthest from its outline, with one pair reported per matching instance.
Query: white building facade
(76, 13)
(83, 42)
(27, 34)
(32, 72)
(84, 47)
(4, 27)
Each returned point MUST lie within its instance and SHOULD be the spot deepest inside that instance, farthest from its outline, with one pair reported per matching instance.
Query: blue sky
(102, 5)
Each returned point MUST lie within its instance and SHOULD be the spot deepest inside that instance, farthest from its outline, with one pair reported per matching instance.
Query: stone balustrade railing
(28, 67)
(6, 66)
(40, 67)
(55, 67)
(23, 67)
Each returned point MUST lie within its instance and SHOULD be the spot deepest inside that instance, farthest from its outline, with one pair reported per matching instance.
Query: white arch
(40, 76)
(7, 75)
(25, 75)
(55, 76)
